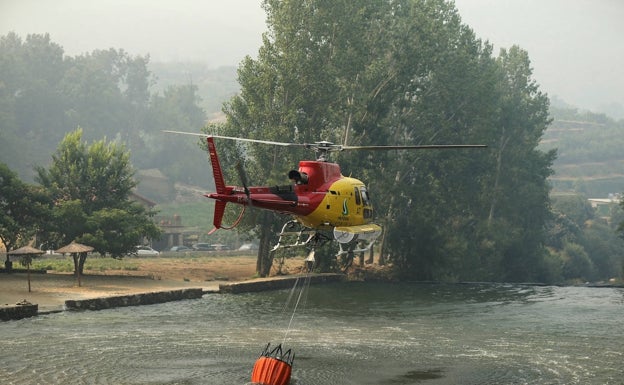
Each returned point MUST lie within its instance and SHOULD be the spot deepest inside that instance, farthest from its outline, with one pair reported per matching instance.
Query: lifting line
(306, 284)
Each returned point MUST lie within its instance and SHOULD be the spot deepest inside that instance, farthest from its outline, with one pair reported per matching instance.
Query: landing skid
(294, 234)
(298, 235)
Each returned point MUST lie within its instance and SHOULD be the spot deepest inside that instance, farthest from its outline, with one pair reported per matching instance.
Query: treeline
(108, 93)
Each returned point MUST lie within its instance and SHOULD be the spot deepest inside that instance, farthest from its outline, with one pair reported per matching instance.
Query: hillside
(589, 152)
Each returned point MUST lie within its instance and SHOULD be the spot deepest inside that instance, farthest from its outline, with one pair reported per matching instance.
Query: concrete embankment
(18, 311)
(275, 283)
(133, 299)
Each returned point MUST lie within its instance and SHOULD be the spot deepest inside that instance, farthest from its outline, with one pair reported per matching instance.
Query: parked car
(248, 247)
(145, 250)
(180, 248)
(203, 247)
(210, 247)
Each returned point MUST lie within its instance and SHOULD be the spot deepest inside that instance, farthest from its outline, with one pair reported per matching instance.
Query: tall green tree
(297, 89)
(107, 94)
(24, 209)
(176, 109)
(32, 108)
(519, 204)
(91, 186)
(442, 94)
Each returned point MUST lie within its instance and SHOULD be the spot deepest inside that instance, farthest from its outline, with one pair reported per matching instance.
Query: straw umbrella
(75, 249)
(26, 253)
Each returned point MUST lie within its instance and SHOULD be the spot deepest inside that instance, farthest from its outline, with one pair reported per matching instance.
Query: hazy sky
(575, 45)
(219, 32)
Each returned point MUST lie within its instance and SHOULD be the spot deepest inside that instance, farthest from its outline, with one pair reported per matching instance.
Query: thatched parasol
(74, 249)
(26, 250)
(26, 253)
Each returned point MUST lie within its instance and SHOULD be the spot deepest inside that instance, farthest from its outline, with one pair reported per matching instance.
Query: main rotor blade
(328, 146)
(239, 139)
(414, 147)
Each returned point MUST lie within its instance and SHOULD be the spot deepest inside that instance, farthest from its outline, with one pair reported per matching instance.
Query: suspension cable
(302, 290)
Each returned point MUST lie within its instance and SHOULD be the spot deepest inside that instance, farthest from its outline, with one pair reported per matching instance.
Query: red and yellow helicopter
(319, 197)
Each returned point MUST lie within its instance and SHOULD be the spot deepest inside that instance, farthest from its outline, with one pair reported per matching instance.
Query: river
(347, 333)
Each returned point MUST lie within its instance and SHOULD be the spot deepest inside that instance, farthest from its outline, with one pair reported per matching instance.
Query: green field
(66, 265)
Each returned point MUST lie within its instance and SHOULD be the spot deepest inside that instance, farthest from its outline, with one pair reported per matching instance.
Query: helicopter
(319, 198)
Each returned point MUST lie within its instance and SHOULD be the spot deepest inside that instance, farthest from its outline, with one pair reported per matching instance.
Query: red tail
(216, 166)
(219, 183)
(218, 214)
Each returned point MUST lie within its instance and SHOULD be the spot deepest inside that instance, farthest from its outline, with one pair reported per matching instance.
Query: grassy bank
(66, 265)
(188, 267)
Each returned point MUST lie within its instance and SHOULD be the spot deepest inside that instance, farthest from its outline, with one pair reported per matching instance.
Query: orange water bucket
(274, 367)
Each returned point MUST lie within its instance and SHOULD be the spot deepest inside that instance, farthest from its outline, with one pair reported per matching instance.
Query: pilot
(298, 177)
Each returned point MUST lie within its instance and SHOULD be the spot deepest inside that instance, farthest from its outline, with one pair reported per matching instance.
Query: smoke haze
(574, 45)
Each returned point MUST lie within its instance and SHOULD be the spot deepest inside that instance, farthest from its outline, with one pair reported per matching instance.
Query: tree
(32, 108)
(443, 93)
(576, 263)
(575, 206)
(584, 244)
(519, 205)
(24, 209)
(604, 250)
(297, 90)
(176, 109)
(91, 187)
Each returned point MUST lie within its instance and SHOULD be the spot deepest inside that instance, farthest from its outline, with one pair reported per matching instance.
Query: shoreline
(50, 291)
(55, 293)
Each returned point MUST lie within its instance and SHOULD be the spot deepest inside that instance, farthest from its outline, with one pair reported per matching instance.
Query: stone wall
(133, 300)
(18, 311)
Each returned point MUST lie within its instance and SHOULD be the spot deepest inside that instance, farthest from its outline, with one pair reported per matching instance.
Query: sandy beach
(51, 290)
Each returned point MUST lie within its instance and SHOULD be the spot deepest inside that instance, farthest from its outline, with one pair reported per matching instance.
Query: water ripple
(346, 334)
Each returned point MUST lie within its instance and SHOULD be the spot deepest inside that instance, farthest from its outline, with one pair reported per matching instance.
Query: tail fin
(219, 183)
(216, 167)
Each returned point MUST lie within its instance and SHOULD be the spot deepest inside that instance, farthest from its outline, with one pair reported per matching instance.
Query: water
(352, 333)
